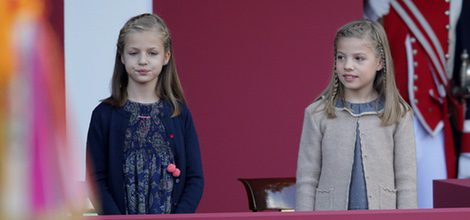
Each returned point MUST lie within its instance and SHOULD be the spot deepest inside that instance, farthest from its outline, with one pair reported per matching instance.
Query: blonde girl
(143, 153)
(357, 147)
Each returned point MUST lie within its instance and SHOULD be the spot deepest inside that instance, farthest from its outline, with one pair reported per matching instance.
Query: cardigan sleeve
(97, 162)
(405, 163)
(308, 164)
(194, 183)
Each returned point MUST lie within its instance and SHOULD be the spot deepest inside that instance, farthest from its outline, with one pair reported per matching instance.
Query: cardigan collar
(167, 110)
(359, 109)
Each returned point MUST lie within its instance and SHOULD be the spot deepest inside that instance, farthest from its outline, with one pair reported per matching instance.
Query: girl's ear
(122, 60)
(167, 57)
(380, 65)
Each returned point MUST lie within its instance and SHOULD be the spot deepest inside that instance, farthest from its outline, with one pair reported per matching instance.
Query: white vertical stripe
(428, 29)
(411, 92)
(91, 28)
(430, 163)
(464, 164)
(455, 9)
(419, 35)
(466, 126)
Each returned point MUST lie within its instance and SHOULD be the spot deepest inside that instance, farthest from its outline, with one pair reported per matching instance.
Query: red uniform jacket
(418, 35)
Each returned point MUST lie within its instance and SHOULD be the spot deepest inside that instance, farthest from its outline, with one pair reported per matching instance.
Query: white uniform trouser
(430, 163)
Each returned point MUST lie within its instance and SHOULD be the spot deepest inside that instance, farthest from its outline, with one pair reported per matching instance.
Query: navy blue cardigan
(105, 158)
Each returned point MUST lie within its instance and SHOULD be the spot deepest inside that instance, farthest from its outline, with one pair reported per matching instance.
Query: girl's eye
(340, 57)
(153, 53)
(360, 58)
(132, 53)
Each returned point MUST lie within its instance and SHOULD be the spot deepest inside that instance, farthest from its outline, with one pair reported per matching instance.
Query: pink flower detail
(171, 168)
(177, 172)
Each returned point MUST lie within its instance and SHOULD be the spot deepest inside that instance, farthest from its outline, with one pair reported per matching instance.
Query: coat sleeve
(308, 164)
(194, 183)
(405, 163)
(97, 164)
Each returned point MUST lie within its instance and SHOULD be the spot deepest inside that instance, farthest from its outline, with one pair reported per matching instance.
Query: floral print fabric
(147, 153)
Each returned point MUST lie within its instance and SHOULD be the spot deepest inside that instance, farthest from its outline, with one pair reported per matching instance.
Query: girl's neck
(142, 93)
(355, 97)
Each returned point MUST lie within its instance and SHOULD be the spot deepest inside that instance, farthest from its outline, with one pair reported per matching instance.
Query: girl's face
(356, 66)
(144, 56)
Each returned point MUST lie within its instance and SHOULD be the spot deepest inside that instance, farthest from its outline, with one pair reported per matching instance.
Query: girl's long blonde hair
(395, 106)
(168, 85)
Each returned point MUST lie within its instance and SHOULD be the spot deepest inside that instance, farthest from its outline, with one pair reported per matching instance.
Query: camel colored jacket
(326, 156)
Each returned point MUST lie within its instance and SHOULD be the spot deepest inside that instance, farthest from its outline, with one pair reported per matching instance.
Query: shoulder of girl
(315, 110)
(101, 111)
(317, 104)
(102, 106)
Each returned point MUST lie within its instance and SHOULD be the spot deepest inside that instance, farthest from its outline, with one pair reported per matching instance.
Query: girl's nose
(142, 59)
(348, 65)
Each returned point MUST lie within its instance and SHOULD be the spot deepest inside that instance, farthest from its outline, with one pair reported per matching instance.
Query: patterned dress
(147, 153)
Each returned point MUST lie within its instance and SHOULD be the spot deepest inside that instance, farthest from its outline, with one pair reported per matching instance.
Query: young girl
(357, 148)
(142, 148)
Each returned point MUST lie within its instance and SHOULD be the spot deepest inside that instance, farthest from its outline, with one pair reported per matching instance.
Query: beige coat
(326, 156)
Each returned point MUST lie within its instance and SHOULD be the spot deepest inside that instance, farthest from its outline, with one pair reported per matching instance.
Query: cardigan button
(177, 180)
(172, 136)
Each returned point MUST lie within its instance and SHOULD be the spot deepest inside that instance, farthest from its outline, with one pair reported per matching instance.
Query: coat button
(172, 136)
(177, 180)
